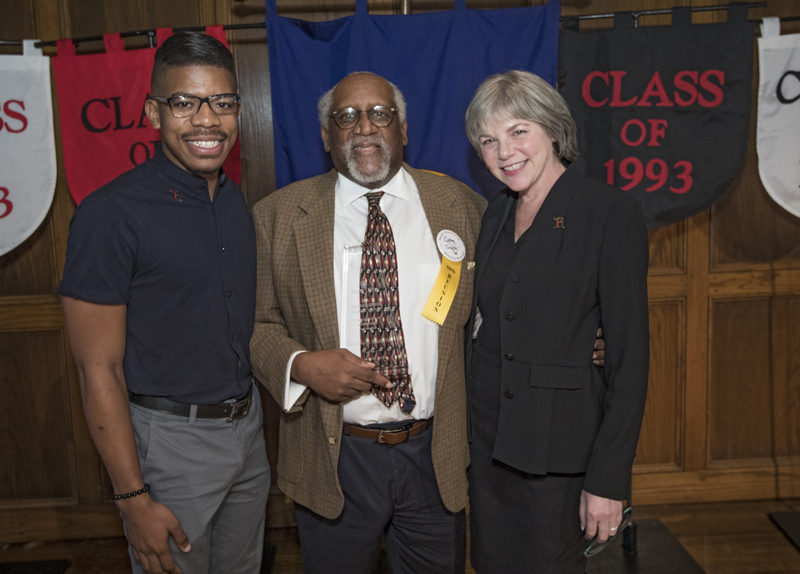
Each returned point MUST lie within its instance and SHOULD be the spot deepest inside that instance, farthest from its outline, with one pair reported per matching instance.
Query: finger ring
(613, 528)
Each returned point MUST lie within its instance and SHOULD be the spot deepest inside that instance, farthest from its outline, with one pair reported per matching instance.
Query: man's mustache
(366, 142)
(220, 134)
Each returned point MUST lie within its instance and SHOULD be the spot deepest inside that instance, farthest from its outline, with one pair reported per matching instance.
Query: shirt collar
(347, 191)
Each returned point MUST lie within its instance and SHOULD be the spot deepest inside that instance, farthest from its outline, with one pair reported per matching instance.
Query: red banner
(104, 128)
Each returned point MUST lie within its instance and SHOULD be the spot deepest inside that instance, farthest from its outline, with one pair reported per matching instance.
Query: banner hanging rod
(151, 34)
(656, 11)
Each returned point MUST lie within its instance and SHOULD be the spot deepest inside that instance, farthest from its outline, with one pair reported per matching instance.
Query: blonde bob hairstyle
(522, 95)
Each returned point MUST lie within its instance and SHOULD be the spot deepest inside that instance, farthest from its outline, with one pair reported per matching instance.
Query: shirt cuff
(292, 389)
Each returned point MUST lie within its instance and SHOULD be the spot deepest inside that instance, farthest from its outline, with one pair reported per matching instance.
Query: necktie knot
(374, 198)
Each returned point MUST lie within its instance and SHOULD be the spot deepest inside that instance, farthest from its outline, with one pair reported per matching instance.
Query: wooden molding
(59, 524)
(762, 483)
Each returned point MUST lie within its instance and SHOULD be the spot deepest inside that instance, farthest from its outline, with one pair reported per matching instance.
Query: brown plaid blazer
(296, 310)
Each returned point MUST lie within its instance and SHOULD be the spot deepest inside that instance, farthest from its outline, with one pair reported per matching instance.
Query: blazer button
(515, 277)
(509, 395)
(510, 317)
(331, 440)
(509, 357)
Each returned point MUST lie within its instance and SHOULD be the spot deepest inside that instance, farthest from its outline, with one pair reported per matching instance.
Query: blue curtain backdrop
(436, 59)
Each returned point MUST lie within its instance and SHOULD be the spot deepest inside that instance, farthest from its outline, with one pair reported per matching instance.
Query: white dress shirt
(418, 265)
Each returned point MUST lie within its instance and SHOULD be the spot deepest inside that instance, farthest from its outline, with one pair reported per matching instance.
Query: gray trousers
(214, 476)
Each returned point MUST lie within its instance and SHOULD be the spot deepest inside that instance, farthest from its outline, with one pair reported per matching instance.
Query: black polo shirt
(186, 268)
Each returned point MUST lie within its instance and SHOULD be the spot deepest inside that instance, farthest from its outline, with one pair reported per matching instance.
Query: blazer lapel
(492, 228)
(547, 230)
(314, 234)
(438, 202)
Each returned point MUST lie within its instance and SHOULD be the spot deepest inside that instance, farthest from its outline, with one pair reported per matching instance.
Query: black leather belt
(391, 436)
(230, 411)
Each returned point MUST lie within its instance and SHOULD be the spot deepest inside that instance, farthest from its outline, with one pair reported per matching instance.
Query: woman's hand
(599, 516)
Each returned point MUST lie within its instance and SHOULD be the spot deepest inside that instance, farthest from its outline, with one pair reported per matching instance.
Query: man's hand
(599, 515)
(148, 526)
(336, 374)
(599, 355)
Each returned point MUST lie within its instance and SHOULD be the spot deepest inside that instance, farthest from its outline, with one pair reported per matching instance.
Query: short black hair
(184, 49)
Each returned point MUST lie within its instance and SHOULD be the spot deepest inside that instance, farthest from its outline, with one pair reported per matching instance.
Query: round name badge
(450, 245)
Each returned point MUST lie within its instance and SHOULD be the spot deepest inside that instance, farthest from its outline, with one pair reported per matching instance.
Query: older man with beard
(359, 451)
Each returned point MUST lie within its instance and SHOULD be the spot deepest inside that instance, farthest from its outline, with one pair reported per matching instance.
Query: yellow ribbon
(443, 292)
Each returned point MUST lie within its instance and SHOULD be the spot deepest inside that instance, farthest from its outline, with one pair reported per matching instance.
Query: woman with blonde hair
(553, 436)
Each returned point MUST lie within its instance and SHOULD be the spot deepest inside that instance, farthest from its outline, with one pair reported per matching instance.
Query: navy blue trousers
(390, 492)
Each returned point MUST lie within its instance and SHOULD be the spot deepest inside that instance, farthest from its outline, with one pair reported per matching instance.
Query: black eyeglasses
(594, 547)
(347, 118)
(189, 106)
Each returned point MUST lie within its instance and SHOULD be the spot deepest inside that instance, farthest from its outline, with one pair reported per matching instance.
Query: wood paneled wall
(723, 413)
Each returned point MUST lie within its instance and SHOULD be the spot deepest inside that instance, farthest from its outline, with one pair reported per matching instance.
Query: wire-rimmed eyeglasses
(188, 106)
(593, 546)
(347, 118)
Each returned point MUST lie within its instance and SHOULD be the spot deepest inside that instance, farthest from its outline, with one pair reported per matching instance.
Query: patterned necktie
(382, 339)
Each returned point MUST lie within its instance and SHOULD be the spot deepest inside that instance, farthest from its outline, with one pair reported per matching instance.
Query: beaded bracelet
(131, 494)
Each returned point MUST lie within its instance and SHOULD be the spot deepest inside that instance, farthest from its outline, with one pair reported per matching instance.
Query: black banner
(662, 111)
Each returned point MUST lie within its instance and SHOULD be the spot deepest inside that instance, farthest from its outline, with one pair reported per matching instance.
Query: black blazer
(583, 264)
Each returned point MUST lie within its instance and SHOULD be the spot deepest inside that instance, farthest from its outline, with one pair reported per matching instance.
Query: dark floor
(731, 538)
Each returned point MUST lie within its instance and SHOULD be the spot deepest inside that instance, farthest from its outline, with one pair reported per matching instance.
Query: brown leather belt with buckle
(230, 411)
(393, 436)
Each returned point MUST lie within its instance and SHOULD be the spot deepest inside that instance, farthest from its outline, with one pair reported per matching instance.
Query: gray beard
(368, 178)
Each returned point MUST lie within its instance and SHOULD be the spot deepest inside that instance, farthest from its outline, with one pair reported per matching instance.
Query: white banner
(27, 145)
(778, 140)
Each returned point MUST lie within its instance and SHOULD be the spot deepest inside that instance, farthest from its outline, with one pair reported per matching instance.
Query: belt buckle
(239, 410)
(393, 432)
